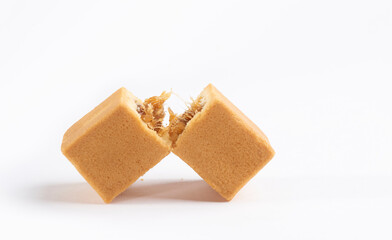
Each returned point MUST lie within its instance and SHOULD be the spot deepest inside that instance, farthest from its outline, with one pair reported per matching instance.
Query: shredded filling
(152, 112)
(178, 122)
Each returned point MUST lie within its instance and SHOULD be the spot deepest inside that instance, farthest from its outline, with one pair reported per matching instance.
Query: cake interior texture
(178, 122)
(152, 112)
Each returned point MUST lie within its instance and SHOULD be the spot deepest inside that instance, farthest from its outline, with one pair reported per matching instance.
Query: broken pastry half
(117, 142)
(219, 142)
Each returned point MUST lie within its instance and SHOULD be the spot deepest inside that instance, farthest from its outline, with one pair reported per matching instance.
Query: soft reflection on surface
(141, 191)
(196, 190)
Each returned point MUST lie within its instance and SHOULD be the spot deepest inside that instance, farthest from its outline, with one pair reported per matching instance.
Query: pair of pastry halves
(123, 137)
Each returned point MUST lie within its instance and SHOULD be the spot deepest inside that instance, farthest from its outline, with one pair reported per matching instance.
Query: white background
(315, 76)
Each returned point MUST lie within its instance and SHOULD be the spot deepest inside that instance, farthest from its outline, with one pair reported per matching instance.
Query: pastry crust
(222, 145)
(112, 146)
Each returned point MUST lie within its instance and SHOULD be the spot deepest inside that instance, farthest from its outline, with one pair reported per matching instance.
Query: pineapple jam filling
(177, 123)
(152, 112)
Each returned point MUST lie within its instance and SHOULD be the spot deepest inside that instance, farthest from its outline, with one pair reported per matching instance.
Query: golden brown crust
(112, 147)
(222, 145)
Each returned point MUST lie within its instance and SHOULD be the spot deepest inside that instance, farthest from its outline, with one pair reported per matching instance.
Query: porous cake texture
(112, 146)
(222, 145)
